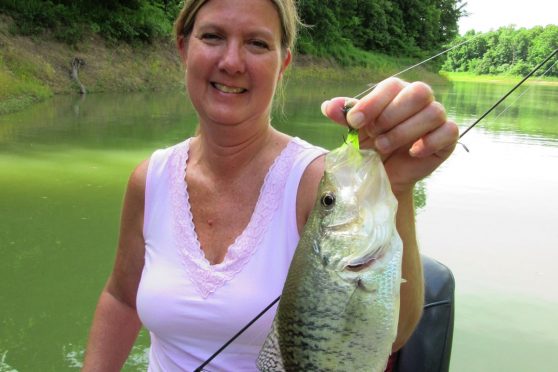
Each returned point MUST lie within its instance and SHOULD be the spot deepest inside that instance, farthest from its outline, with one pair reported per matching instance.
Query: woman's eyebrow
(253, 32)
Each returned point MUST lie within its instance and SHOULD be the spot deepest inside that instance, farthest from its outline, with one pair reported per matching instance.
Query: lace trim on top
(208, 278)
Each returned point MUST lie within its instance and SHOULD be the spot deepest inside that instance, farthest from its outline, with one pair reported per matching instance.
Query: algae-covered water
(490, 214)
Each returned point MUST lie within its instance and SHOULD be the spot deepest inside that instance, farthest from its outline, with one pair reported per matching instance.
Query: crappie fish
(340, 303)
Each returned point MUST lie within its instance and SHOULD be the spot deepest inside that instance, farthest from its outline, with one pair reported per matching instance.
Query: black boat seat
(429, 348)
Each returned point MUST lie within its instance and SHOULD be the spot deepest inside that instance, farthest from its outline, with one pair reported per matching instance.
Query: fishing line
(373, 85)
(508, 93)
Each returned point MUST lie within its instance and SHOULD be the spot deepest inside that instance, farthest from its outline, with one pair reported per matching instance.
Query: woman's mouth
(228, 89)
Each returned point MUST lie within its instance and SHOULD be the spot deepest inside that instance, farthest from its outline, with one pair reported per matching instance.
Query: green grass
(19, 89)
(505, 79)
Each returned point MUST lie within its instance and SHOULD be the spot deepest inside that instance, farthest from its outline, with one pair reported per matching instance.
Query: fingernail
(382, 143)
(323, 107)
(414, 151)
(355, 119)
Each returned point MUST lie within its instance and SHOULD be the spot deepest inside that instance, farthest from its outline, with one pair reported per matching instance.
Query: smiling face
(234, 60)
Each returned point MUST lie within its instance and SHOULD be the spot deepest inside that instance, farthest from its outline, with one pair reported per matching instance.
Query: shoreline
(38, 91)
(33, 69)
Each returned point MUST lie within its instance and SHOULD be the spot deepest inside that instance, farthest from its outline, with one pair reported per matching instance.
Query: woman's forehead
(238, 13)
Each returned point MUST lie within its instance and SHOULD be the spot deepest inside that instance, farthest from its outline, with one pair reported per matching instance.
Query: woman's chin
(226, 118)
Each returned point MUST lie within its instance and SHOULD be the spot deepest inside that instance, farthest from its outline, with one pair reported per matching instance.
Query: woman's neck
(229, 151)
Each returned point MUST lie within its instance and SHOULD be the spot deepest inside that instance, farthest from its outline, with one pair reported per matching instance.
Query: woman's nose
(232, 61)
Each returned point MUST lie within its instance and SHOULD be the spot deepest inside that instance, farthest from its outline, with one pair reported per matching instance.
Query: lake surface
(490, 214)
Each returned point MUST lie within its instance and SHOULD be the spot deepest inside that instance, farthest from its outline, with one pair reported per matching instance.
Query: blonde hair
(288, 17)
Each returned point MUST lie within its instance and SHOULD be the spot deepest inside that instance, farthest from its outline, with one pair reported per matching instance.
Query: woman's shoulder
(308, 189)
(137, 179)
(316, 164)
(157, 159)
(307, 145)
(164, 153)
(163, 160)
(312, 176)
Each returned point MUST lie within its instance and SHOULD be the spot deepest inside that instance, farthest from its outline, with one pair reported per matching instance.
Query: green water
(490, 215)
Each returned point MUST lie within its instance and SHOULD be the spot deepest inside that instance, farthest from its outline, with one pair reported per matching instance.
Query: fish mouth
(228, 89)
(362, 263)
(356, 270)
(342, 225)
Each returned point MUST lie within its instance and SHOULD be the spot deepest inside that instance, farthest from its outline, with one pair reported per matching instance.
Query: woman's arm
(412, 289)
(116, 323)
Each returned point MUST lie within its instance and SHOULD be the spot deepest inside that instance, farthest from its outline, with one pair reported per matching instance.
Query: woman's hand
(404, 123)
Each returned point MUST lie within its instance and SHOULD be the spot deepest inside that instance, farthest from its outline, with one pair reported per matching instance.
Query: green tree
(336, 27)
(504, 51)
(542, 45)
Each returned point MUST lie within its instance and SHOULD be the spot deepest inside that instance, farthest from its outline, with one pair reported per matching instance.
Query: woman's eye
(259, 44)
(210, 37)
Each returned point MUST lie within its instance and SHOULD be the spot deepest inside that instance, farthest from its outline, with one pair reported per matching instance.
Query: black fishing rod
(508, 93)
(200, 368)
(231, 340)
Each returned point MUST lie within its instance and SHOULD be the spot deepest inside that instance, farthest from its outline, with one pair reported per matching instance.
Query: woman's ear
(182, 45)
(286, 61)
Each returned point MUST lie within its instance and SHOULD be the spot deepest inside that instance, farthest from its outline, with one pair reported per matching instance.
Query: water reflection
(491, 218)
(530, 110)
(99, 121)
(4, 366)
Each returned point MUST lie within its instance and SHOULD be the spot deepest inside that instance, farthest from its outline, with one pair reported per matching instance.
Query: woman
(209, 226)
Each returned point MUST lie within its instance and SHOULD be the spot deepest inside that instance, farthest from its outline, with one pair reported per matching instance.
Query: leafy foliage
(336, 28)
(507, 51)
(394, 27)
(116, 20)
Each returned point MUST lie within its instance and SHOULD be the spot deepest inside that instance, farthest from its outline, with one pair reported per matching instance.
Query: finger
(369, 108)
(333, 109)
(412, 99)
(439, 142)
(418, 125)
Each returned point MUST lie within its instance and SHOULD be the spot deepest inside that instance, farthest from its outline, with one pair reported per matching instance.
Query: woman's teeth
(227, 89)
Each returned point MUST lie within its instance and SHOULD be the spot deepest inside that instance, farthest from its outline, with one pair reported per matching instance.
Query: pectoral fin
(269, 359)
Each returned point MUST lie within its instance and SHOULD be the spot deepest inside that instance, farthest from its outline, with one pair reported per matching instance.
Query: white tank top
(190, 307)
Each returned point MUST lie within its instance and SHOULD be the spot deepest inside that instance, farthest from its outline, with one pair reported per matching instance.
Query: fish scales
(340, 303)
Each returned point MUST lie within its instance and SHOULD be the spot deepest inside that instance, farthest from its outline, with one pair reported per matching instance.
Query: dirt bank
(37, 67)
(34, 68)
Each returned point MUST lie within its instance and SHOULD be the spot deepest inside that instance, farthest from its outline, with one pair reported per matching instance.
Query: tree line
(507, 51)
(393, 27)
(335, 27)
(115, 20)
(340, 29)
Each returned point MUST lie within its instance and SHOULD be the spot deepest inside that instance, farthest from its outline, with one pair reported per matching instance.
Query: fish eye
(328, 200)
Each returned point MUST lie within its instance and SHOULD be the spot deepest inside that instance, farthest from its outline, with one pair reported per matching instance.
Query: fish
(339, 307)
